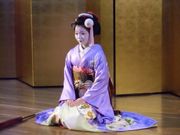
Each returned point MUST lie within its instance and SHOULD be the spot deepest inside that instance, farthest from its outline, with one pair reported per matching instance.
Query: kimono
(86, 76)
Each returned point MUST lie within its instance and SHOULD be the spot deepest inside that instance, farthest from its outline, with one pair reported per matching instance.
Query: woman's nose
(79, 36)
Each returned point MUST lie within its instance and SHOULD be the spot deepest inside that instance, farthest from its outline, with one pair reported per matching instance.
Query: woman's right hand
(69, 102)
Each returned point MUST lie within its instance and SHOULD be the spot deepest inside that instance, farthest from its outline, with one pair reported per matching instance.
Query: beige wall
(138, 46)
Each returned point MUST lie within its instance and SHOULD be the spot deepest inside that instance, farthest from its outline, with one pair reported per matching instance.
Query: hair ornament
(85, 14)
(88, 22)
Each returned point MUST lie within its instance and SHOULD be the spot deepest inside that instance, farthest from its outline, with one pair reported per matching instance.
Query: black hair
(81, 19)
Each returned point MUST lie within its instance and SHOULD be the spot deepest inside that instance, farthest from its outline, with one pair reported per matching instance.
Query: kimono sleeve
(99, 90)
(68, 87)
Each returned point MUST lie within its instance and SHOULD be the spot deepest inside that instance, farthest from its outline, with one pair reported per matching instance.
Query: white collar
(83, 51)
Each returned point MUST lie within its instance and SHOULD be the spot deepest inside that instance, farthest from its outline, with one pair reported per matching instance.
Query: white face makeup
(82, 36)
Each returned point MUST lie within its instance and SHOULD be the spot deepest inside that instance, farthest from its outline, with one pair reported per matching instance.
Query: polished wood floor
(19, 99)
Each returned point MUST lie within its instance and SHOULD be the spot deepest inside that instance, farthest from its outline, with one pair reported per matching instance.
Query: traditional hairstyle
(86, 19)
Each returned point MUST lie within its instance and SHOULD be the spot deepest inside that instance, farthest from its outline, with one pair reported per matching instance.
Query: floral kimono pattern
(83, 79)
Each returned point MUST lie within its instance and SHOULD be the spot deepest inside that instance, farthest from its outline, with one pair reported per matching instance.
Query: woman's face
(82, 35)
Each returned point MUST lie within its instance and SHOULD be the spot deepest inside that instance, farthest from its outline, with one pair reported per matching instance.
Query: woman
(84, 103)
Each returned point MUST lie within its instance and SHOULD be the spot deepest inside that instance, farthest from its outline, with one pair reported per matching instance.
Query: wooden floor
(19, 99)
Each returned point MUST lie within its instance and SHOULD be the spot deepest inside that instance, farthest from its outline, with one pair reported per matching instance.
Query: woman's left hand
(77, 102)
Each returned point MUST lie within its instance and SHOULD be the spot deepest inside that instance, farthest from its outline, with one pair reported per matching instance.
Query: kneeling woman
(85, 102)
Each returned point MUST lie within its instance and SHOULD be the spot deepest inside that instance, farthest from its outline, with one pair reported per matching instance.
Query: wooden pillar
(171, 42)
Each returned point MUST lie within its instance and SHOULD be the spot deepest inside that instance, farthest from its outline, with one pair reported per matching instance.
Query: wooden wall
(7, 40)
(171, 45)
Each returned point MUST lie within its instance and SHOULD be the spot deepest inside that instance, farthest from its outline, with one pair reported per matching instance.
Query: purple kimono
(86, 75)
(97, 94)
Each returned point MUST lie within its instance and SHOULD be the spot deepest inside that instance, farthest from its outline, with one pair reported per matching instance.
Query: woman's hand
(69, 102)
(77, 102)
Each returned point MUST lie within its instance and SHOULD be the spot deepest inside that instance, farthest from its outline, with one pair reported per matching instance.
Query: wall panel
(138, 46)
(52, 38)
(7, 40)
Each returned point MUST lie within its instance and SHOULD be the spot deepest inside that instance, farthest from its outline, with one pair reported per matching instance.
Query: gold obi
(83, 79)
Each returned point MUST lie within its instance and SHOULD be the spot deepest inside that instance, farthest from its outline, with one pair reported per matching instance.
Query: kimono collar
(83, 51)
